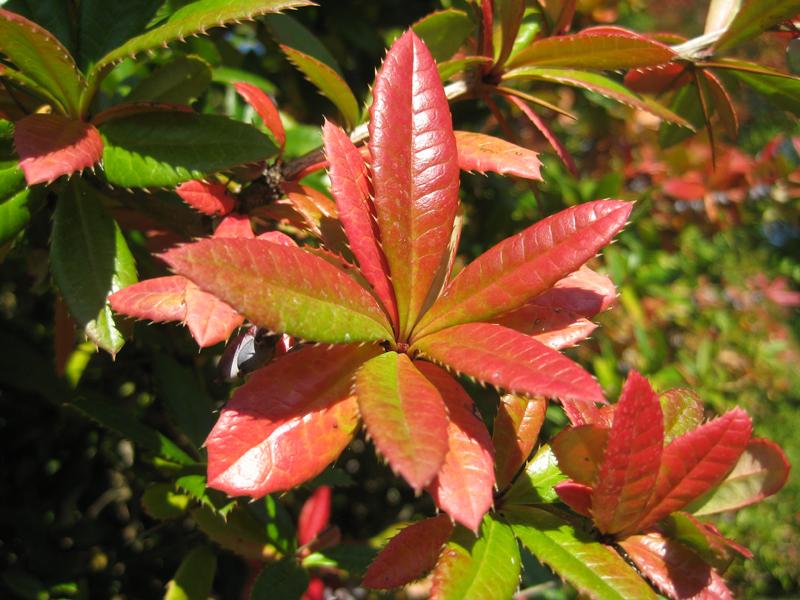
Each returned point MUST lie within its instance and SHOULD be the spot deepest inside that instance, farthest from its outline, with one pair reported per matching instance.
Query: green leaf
(42, 58)
(781, 90)
(238, 531)
(284, 579)
(535, 484)
(444, 32)
(195, 485)
(683, 412)
(507, 20)
(90, 260)
(449, 68)
(351, 558)
(328, 82)
(195, 576)
(105, 25)
(685, 103)
(167, 148)
(185, 398)
(486, 567)
(290, 32)
(754, 18)
(161, 501)
(180, 81)
(52, 15)
(280, 528)
(123, 422)
(17, 202)
(591, 567)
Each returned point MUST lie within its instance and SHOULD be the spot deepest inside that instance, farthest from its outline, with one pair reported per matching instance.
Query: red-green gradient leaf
(722, 104)
(485, 153)
(630, 465)
(415, 172)
(592, 568)
(405, 416)
(288, 422)
(50, 146)
(352, 190)
(509, 360)
(283, 288)
(580, 451)
(696, 462)
(239, 226)
(762, 470)
(486, 567)
(208, 198)
(265, 108)
(578, 496)
(703, 539)
(609, 51)
(516, 429)
(314, 515)
(464, 485)
(674, 569)
(682, 410)
(409, 555)
(518, 269)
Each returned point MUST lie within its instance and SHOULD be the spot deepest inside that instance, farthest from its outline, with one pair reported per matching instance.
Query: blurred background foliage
(708, 274)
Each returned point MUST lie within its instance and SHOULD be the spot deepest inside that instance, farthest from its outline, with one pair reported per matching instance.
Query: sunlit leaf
(265, 108)
(194, 577)
(516, 430)
(753, 18)
(444, 32)
(535, 485)
(580, 451)
(485, 153)
(208, 198)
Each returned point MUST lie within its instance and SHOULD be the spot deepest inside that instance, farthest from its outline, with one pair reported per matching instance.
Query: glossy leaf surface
(762, 470)
(578, 496)
(580, 451)
(284, 289)
(516, 431)
(50, 146)
(288, 422)
(630, 464)
(410, 554)
(415, 172)
(163, 149)
(405, 416)
(444, 32)
(485, 567)
(265, 108)
(537, 482)
(521, 267)
(463, 487)
(208, 198)
(485, 153)
(352, 190)
(509, 360)
(593, 568)
(682, 411)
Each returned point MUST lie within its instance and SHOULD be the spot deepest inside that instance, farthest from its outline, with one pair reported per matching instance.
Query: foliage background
(694, 310)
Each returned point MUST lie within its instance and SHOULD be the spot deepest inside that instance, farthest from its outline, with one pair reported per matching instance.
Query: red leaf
(236, 226)
(314, 515)
(315, 590)
(409, 555)
(630, 465)
(722, 104)
(583, 292)
(580, 451)
(277, 237)
(164, 299)
(265, 108)
(207, 198)
(415, 172)
(696, 462)
(509, 360)
(559, 148)
(485, 153)
(464, 485)
(516, 429)
(352, 190)
(674, 569)
(657, 80)
(50, 146)
(518, 269)
(287, 422)
(405, 416)
(283, 288)
(575, 495)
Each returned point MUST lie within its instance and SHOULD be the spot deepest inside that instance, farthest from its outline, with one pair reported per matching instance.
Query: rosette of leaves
(385, 328)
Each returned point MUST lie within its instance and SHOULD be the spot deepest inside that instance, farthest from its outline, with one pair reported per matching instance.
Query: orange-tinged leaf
(314, 515)
(509, 360)
(288, 422)
(629, 468)
(516, 429)
(580, 451)
(50, 146)
(352, 190)
(676, 571)
(484, 153)
(696, 462)
(464, 485)
(415, 172)
(210, 320)
(405, 416)
(207, 198)
(265, 108)
(236, 226)
(518, 269)
(283, 288)
(409, 555)
(577, 496)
